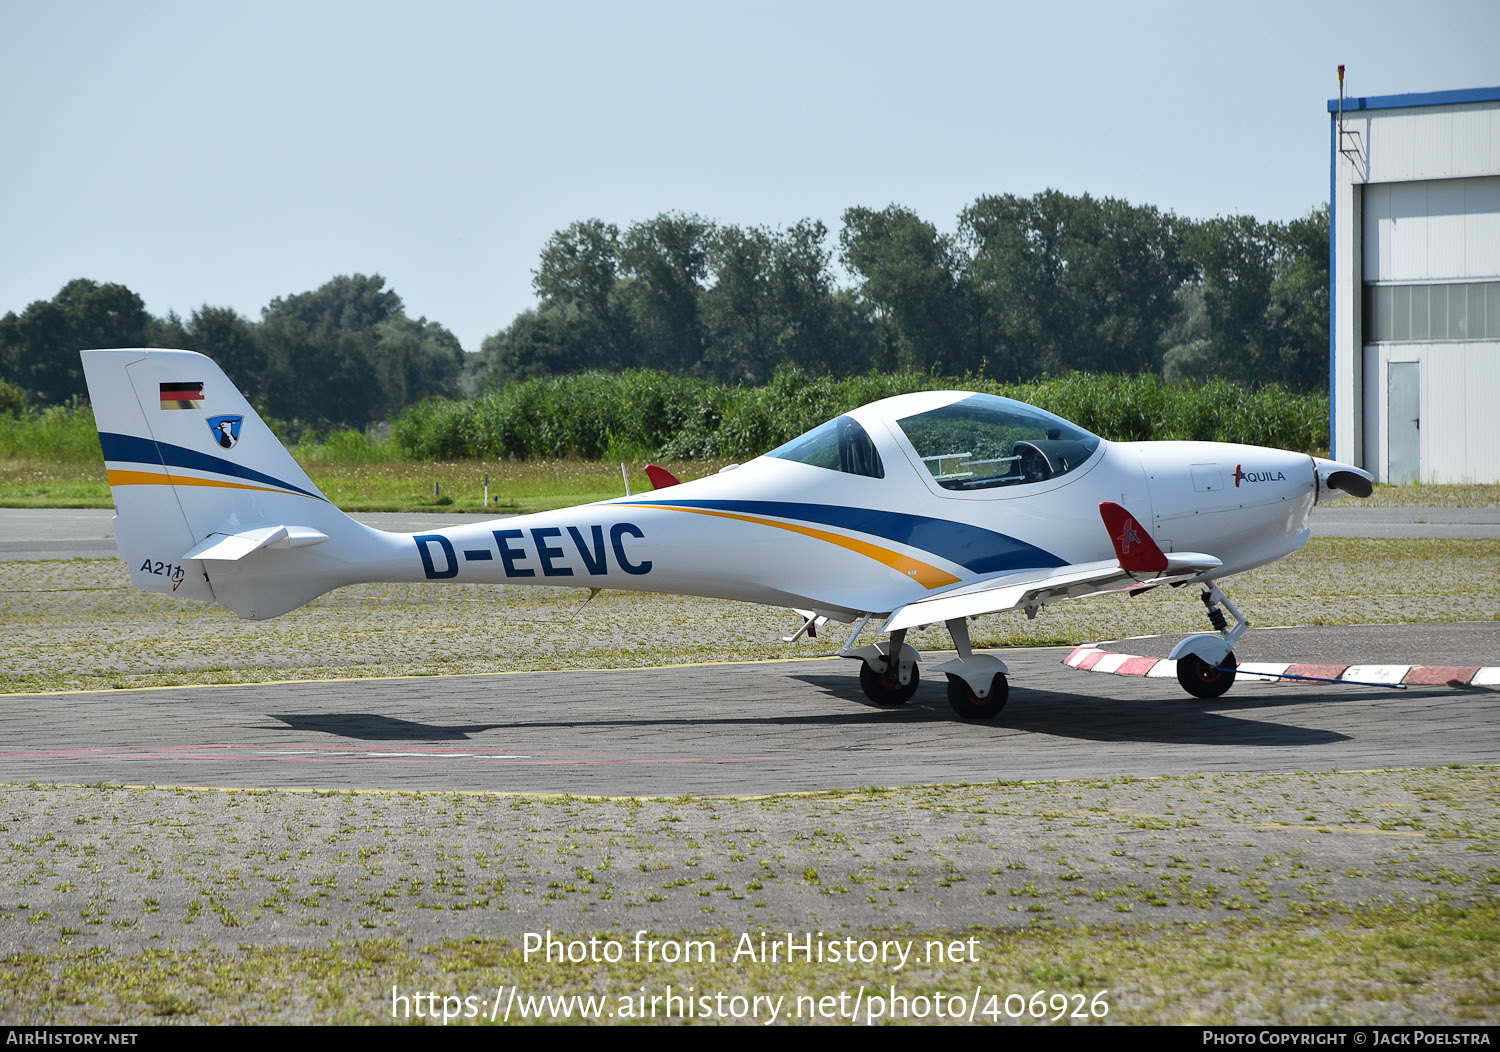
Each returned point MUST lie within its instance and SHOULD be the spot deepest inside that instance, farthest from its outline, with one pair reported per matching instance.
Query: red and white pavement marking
(1093, 658)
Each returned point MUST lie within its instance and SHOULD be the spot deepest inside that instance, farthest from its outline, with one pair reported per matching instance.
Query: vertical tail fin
(202, 488)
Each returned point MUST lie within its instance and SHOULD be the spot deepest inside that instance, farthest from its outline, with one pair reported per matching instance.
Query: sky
(226, 154)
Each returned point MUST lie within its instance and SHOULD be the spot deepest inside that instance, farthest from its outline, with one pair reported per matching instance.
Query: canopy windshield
(985, 441)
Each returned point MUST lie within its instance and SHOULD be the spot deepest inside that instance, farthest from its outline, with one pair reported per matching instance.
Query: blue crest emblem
(226, 429)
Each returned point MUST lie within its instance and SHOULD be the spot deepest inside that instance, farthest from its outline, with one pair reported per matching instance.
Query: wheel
(1203, 680)
(884, 689)
(971, 707)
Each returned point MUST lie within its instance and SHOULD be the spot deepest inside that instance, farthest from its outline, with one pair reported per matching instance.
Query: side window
(839, 445)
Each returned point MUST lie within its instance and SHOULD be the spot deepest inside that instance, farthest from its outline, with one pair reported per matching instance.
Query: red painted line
(1072, 659)
(1137, 666)
(1090, 660)
(1321, 671)
(1440, 675)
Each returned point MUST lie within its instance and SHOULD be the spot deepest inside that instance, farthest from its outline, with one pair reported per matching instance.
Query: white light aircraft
(933, 507)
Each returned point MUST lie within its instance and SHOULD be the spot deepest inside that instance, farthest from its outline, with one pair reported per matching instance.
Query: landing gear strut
(884, 681)
(1205, 662)
(884, 689)
(977, 687)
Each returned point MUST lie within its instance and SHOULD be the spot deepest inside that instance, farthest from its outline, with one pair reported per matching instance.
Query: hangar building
(1415, 334)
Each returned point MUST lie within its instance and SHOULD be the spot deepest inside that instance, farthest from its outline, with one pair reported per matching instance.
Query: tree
(740, 312)
(1265, 297)
(414, 360)
(39, 347)
(666, 262)
(580, 271)
(820, 327)
(347, 303)
(1299, 302)
(1072, 282)
(346, 354)
(550, 340)
(230, 339)
(911, 277)
(13, 400)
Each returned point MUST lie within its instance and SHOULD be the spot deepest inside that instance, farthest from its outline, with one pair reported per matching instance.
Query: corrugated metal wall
(1427, 185)
(1441, 142)
(1432, 230)
(1460, 417)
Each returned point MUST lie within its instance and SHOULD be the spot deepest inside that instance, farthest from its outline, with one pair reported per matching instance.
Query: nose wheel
(1205, 662)
(1202, 680)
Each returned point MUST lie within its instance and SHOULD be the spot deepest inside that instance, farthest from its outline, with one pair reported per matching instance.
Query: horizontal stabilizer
(228, 547)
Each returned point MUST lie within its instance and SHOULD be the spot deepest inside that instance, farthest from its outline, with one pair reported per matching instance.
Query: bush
(63, 433)
(13, 400)
(644, 413)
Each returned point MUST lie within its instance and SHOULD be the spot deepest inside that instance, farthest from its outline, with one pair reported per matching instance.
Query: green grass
(1348, 898)
(1397, 965)
(516, 486)
(391, 485)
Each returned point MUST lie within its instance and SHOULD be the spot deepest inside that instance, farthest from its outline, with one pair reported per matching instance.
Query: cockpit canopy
(977, 442)
(984, 441)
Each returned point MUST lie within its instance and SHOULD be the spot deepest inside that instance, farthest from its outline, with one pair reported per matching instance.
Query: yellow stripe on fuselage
(118, 477)
(925, 574)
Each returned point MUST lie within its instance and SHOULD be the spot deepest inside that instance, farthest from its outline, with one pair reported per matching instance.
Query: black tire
(1202, 680)
(972, 707)
(886, 689)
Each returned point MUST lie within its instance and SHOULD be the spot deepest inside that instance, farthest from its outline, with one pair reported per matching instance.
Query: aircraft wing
(1032, 588)
(1138, 563)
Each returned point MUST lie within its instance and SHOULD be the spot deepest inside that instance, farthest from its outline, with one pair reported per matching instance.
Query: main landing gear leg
(977, 687)
(1206, 662)
(887, 682)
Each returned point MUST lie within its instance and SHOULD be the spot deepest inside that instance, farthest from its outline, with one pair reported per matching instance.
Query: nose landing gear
(1205, 662)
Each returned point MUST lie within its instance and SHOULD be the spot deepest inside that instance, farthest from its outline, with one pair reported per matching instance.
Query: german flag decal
(180, 395)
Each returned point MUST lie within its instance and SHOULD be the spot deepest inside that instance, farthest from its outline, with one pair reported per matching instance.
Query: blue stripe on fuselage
(981, 551)
(132, 449)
